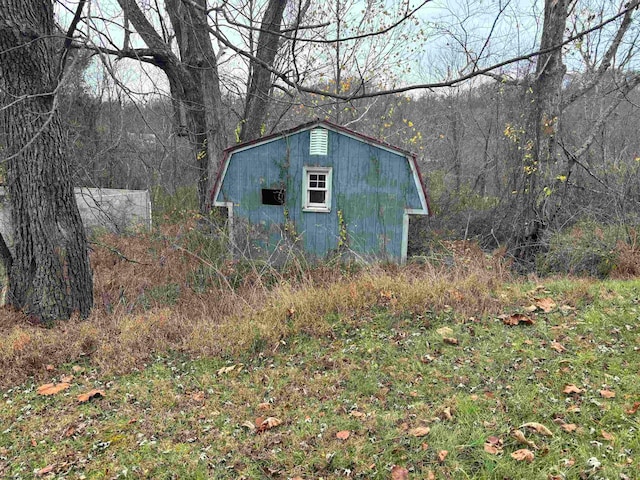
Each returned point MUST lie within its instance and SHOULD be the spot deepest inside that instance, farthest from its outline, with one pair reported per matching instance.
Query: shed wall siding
(372, 187)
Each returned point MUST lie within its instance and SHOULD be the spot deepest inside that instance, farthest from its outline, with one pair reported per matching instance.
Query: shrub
(588, 248)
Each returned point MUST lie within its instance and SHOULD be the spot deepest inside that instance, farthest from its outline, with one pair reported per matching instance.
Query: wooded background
(524, 114)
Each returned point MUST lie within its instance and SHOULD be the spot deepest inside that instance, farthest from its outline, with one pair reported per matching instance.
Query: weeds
(381, 374)
(191, 348)
(172, 290)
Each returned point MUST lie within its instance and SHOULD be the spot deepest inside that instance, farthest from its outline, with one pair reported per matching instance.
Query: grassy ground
(207, 368)
(434, 392)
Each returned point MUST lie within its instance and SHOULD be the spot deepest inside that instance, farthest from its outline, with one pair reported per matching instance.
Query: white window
(318, 141)
(317, 189)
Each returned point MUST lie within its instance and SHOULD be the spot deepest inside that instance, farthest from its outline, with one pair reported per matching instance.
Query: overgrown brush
(593, 249)
(165, 291)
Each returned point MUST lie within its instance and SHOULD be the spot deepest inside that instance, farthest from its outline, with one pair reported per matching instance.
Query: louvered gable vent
(318, 141)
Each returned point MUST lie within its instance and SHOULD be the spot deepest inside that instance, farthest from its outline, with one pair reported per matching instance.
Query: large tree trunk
(539, 161)
(193, 79)
(50, 276)
(201, 96)
(260, 84)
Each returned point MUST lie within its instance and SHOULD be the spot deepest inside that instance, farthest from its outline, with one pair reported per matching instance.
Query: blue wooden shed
(327, 188)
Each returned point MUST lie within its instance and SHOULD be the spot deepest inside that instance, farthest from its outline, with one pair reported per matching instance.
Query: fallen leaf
(493, 445)
(49, 367)
(607, 393)
(249, 424)
(442, 454)
(523, 455)
(538, 427)
(357, 414)
(399, 473)
(492, 449)
(531, 308)
(419, 431)
(446, 413)
(343, 434)
(450, 340)
(569, 427)
(52, 389)
(517, 319)
(558, 347)
(546, 304)
(66, 378)
(633, 409)
(197, 396)
(571, 388)
(224, 370)
(519, 436)
(607, 436)
(77, 369)
(95, 393)
(45, 470)
(431, 475)
(445, 332)
(34, 443)
(264, 406)
(268, 423)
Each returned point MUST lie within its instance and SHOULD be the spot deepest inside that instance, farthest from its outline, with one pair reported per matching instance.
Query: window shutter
(318, 142)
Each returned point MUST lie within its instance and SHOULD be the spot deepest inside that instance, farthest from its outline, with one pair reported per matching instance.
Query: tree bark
(194, 81)
(260, 84)
(50, 275)
(204, 114)
(539, 147)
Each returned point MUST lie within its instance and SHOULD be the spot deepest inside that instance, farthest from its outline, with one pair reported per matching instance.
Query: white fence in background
(111, 209)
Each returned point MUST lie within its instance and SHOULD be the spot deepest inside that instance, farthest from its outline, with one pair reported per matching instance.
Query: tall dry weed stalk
(132, 323)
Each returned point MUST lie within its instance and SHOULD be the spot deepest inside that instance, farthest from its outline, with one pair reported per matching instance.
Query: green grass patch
(379, 375)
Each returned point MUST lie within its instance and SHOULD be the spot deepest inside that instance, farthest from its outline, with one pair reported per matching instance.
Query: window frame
(307, 204)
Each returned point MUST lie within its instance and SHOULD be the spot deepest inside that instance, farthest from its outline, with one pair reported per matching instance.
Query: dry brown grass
(128, 326)
(627, 260)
